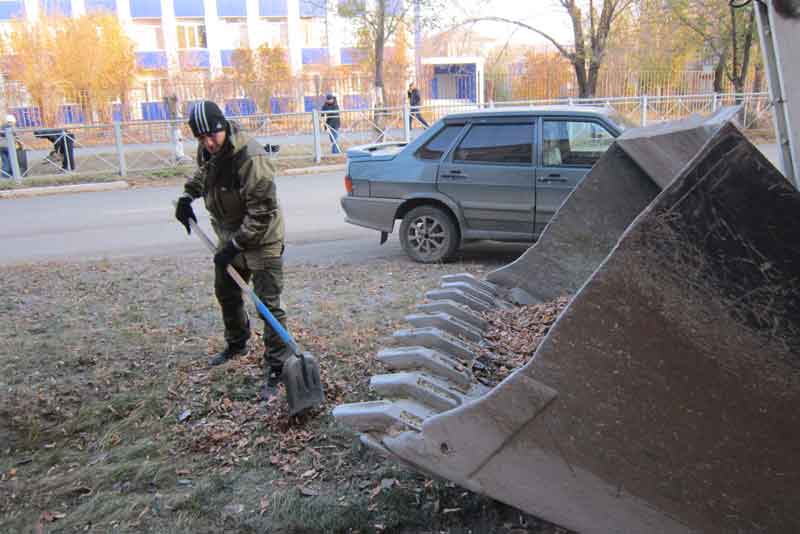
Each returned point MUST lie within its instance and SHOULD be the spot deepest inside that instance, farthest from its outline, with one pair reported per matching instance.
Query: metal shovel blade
(303, 386)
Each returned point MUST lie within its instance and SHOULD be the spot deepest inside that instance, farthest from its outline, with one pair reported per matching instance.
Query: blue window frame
(312, 8)
(315, 56)
(145, 9)
(188, 8)
(154, 111)
(231, 8)
(12, 10)
(100, 5)
(151, 60)
(273, 8)
(53, 8)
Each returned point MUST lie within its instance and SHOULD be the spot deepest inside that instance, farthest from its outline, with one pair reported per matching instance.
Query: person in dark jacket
(236, 179)
(330, 114)
(414, 101)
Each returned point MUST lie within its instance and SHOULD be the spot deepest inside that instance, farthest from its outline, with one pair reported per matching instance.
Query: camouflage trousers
(268, 285)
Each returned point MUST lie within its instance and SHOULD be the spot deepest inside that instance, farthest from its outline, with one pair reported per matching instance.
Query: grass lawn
(110, 420)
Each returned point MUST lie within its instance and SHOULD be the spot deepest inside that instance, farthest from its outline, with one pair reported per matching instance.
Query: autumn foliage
(88, 60)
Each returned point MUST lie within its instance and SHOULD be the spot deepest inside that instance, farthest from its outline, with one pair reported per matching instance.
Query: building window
(192, 35)
(231, 8)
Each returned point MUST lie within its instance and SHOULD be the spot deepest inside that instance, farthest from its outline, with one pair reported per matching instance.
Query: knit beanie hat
(205, 117)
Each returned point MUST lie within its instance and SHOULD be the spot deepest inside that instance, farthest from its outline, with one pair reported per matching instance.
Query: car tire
(429, 235)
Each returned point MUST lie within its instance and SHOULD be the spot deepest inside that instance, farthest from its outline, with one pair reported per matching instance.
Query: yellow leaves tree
(540, 75)
(30, 59)
(262, 73)
(89, 57)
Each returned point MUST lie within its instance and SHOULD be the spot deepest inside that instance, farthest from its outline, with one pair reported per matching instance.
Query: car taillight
(348, 184)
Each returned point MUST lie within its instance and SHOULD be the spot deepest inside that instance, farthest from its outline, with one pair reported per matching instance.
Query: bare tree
(591, 30)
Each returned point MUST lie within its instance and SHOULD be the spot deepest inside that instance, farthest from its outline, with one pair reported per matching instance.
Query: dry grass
(100, 359)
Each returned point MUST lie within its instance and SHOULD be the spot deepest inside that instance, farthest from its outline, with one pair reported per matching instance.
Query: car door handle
(455, 174)
(551, 178)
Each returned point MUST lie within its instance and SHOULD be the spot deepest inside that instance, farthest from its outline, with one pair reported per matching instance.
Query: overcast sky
(546, 15)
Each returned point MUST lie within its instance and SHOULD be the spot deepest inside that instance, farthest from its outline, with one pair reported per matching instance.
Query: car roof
(586, 111)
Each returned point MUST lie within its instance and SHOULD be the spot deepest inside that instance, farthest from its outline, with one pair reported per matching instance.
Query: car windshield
(622, 122)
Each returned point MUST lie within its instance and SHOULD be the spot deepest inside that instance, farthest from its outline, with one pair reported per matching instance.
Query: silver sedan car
(495, 174)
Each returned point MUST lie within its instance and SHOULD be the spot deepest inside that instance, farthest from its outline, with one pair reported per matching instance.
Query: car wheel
(429, 234)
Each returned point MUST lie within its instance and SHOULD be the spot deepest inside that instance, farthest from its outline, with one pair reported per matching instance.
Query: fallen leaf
(264, 504)
(309, 473)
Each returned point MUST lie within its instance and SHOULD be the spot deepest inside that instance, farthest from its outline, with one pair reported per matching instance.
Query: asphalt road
(139, 222)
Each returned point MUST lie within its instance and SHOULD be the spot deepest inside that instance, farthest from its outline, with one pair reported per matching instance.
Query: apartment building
(195, 39)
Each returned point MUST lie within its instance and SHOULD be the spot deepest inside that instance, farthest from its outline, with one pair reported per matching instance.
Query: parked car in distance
(496, 174)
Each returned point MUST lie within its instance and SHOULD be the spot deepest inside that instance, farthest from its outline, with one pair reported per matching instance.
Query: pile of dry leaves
(513, 337)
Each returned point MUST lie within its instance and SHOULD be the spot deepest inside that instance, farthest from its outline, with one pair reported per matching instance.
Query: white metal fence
(139, 147)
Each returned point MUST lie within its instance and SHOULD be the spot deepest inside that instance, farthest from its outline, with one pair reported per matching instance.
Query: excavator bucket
(664, 399)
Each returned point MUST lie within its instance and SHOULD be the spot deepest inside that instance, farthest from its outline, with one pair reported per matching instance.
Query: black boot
(272, 380)
(231, 351)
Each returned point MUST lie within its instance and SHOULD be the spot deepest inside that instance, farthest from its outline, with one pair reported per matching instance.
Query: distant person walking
(333, 122)
(414, 101)
(173, 115)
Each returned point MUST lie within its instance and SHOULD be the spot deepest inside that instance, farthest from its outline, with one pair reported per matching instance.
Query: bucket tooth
(460, 297)
(433, 338)
(384, 417)
(424, 389)
(474, 292)
(432, 361)
(446, 323)
(455, 309)
(472, 280)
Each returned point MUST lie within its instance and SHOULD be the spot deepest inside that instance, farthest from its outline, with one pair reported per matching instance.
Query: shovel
(300, 374)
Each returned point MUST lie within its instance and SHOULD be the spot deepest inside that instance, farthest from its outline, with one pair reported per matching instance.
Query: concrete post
(317, 146)
(12, 154)
(715, 102)
(643, 104)
(406, 122)
(123, 171)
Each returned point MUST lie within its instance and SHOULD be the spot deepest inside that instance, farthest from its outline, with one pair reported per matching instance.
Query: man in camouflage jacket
(235, 177)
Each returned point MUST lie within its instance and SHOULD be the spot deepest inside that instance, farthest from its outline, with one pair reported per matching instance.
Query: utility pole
(417, 41)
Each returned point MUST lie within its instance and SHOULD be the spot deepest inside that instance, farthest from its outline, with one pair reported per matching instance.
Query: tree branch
(561, 48)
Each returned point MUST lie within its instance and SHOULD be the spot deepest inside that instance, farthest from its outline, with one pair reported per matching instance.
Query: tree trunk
(719, 73)
(380, 42)
(580, 77)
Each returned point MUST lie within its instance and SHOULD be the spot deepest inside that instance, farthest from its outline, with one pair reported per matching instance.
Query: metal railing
(125, 148)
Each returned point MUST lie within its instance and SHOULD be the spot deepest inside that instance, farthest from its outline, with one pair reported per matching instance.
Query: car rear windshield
(436, 147)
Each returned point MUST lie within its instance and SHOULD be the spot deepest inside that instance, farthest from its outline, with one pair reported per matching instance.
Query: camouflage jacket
(238, 187)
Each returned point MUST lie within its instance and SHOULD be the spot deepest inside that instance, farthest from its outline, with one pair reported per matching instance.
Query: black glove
(184, 212)
(226, 255)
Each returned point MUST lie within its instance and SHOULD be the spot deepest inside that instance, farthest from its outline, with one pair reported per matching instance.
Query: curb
(51, 190)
